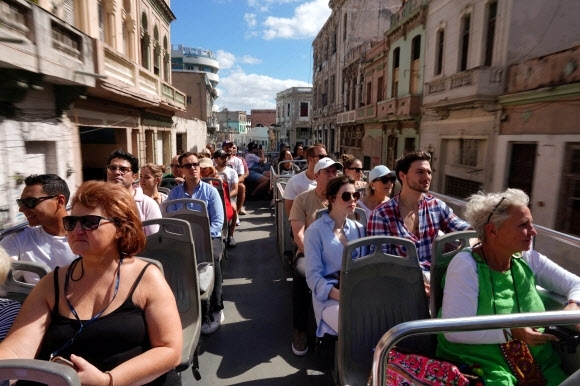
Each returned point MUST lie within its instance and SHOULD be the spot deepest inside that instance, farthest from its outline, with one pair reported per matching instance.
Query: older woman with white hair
(499, 276)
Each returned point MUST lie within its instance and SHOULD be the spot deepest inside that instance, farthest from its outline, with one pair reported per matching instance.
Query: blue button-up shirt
(205, 192)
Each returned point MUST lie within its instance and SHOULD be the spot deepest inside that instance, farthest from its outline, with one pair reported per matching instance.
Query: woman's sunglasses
(385, 179)
(358, 170)
(89, 222)
(347, 196)
(32, 202)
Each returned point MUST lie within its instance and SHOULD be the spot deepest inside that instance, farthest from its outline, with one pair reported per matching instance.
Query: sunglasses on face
(320, 156)
(191, 165)
(385, 179)
(32, 202)
(347, 196)
(358, 170)
(89, 222)
(114, 168)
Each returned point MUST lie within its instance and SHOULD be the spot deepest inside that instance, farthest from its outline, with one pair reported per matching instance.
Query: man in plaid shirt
(413, 213)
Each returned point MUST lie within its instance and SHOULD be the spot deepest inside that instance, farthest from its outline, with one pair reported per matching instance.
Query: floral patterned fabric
(413, 369)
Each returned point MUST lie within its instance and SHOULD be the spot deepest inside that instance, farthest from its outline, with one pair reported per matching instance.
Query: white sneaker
(211, 325)
(238, 223)
(243, 210)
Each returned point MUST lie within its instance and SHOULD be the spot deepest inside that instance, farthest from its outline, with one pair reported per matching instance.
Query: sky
(263, 46)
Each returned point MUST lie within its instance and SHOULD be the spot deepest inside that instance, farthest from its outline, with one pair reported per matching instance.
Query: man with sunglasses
(43, 201)
(194, 187)
(175, 177)
(414, 214)
(305, 180)
(122, 168)
(302, 214)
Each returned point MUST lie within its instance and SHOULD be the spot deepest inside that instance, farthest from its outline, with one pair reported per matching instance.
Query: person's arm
(246, 170)
(215, 211)
(24, 338)
(288, 206)
(233, 186)
(450, 221)
(164, 331)
(460, 297)
(321, 287)
(298, 228)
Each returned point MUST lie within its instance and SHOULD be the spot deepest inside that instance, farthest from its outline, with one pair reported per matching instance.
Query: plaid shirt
(434, 216)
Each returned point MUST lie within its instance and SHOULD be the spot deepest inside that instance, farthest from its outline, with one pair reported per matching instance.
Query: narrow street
(252, 347)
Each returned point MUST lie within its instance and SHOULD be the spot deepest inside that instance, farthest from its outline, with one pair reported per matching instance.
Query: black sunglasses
(191, 165)
(89, 222)
(385, 179)
(358, 170)
(320, 156)
(347, 196)
(494, 209)
(32, 202)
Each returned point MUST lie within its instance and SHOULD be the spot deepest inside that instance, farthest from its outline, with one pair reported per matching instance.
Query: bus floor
(252, 347)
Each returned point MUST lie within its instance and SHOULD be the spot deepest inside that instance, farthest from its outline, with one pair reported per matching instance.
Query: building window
(409, 145)
(369, 92)
(467, 155)
(461, 188)
(333, 43)
(380, 89)
(331, 96)
(465, 28)
(145, 41)
(101, 16)
(439, 54)
(69, 12)
(188, 100)
(324, 94)
(490, 36)
(288, 110)
(395, 81)
(303, 109)
(344, 26)
(415, 59)
(156, 52)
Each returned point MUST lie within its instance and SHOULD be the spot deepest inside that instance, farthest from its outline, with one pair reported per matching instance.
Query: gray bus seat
(198, 219)
(441, 256)
(377, 292)
(50, 373)
(161, 189)
(220, 189)
(16, 289)
(157, 263)
(175, 251)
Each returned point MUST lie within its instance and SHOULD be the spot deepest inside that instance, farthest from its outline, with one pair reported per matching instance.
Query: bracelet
(572, 301)
(111, 380)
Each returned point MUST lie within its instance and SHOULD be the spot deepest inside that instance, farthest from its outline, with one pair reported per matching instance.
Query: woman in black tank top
(110, 314)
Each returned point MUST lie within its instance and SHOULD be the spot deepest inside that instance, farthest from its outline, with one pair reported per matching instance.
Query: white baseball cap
(380, 171)
(326, 162)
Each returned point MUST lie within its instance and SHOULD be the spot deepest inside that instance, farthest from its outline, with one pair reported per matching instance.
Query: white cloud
(308, 19)
(264, 5)
(250, 19)
(225, 59)
(241, 91)
(248, 59)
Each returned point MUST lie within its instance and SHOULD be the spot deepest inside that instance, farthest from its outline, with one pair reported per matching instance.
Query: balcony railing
(366, 112)
(346, 117)
(409, 7)
(478, 82)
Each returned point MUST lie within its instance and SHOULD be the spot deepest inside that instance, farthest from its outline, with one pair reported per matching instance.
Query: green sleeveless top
(489, 356)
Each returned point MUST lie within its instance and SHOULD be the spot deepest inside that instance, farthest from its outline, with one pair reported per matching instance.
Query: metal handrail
(474, 323)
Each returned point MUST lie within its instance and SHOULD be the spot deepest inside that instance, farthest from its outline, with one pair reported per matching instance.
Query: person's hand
(179, 180)
(532, 336)
(89, 374)
(573, 307)
(427, 289)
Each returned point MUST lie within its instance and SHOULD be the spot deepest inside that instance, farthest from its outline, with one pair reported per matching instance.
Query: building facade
(293, 114)
(231, 125)
(262, 120)
(350, 24)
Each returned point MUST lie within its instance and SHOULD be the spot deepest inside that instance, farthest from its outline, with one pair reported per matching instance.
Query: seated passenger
(8, 308)
(149, 180)
(220, 159)
(207, 170)
(324, 241)
(499, 276)
(112, 315)
(43, 201)
(378, 189)
(353, 168)
(194, 187)
(255, 160)
(287, 168)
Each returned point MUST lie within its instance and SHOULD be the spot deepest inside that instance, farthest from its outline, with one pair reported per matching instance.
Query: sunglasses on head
(191, 165)
(358, 170)
(32, 202)
(89, 222)
(385, 179)
(347, 196)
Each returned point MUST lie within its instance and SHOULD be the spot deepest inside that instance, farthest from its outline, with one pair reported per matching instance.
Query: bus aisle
(252, 347)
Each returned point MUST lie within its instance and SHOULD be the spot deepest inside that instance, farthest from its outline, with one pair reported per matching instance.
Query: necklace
(72, 309)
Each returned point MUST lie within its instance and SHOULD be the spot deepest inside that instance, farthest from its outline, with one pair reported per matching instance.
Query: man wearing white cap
(302, 214)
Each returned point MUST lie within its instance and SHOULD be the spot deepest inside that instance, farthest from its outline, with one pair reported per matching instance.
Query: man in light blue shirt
(194, 187)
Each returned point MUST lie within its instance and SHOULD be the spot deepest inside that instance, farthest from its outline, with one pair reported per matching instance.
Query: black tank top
(107, 342)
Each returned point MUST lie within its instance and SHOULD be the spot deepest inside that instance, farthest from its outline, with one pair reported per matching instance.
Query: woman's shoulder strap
(130, 296)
